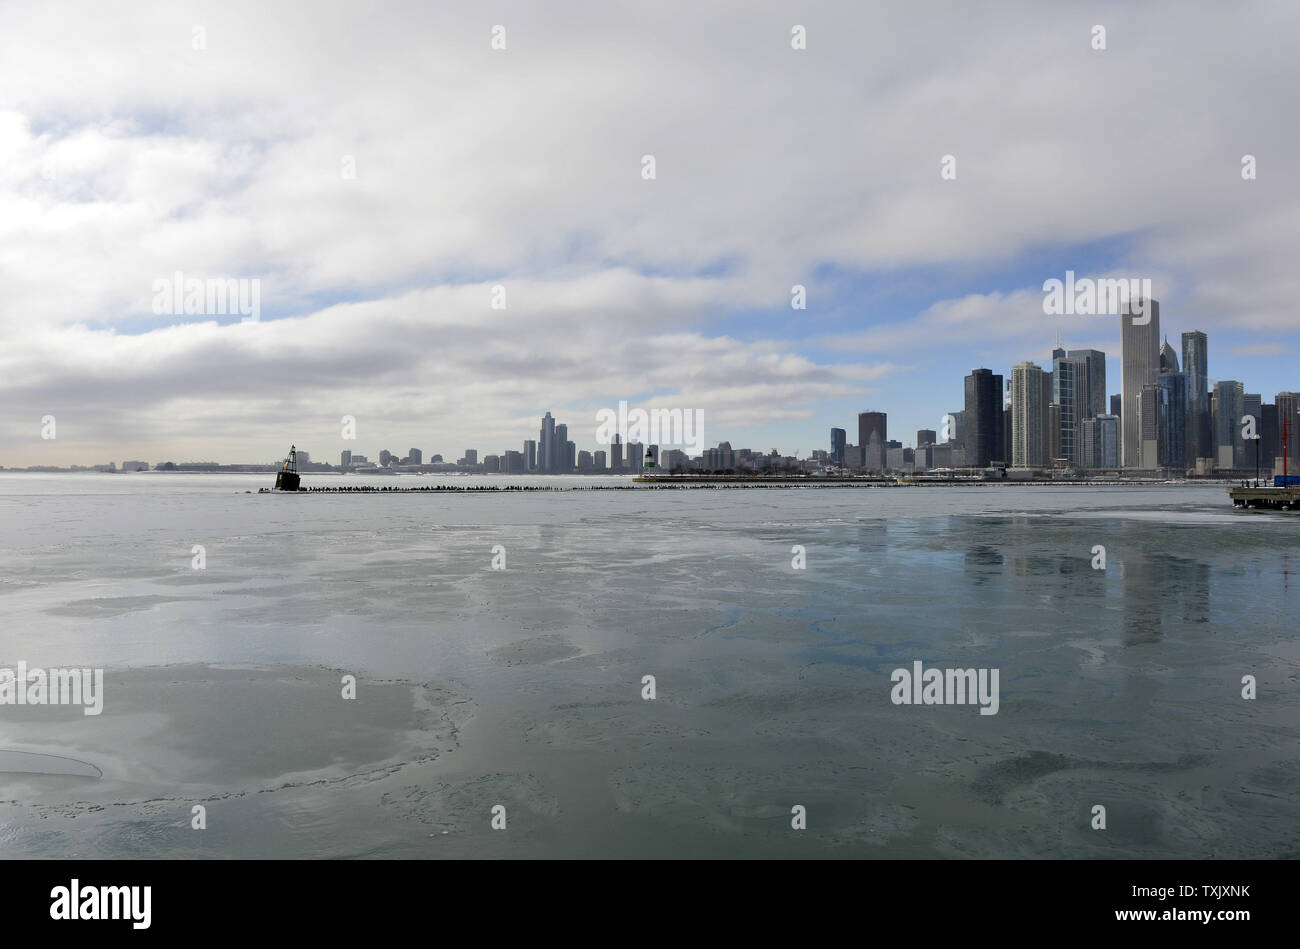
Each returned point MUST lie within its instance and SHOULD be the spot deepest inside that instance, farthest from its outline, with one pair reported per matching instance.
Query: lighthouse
(286, 479)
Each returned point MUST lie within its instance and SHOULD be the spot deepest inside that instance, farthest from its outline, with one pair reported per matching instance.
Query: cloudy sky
(380, 171)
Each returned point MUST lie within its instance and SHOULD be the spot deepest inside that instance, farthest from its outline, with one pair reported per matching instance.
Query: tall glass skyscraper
(1229, 403)
(839, 438)
(1140, 356)
(1175, 437)
(1198, 396)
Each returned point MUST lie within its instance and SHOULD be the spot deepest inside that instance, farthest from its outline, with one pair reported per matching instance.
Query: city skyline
(1045, 416)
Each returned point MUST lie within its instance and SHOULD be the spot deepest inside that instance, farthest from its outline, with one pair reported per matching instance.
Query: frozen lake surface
(522, 687)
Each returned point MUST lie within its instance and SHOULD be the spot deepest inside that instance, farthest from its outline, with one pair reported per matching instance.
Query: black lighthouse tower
(286, 479)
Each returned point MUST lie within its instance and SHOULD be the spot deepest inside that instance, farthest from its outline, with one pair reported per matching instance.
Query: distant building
(584, 461)
(1140, 352)
(598, 460)
(1116, 405)
(983, 417)
(1107, 441)
(838, 441)
(873, 436)
(512, 462)
(530, 455)
(674, 459)
(616, 452)
(1153, 409)
(1252, 406)
(1092, 382)
(1200, 441)
(547, 450)
(416, 457)
(135, 466)
(492, 464)
(471, 456)
(1174, 437)
(1070, 392)
(927, 436)
(1229, 403)
(1288, 429)
(1027, 417)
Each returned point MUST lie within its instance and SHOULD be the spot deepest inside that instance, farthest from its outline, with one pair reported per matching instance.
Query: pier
(1264, 496)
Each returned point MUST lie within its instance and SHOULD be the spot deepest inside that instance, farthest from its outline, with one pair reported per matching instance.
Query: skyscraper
(1198, 396)
(345, 459)
(872, 437)
(926, 436)
(530, 454)
(838, 441)
(1094, 381)
(1288, 429)
(1088, 443)
(1175, 437)
(560, 456)
(1153, 409)
(1229, 398)
(547, 453)
(1027, 411)
(983, 418)
(1251, 405)
(1107, 441)
(1140, 357)
(1069, 391)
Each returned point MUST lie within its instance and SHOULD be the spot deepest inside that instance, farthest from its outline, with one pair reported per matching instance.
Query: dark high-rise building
(416, 457)
(1288, 429)
(530, 454)
(561, 462)
(1229, 404)
(616, 452)
(1093, 381)
(1175, 437)
(838, 441)
(1251, 405)
(1153, 407)
(1269, 439)
(1116, 405)
(873, 435)
(984, 419)
(926, 436)
(1195, 365)
(547, 451)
